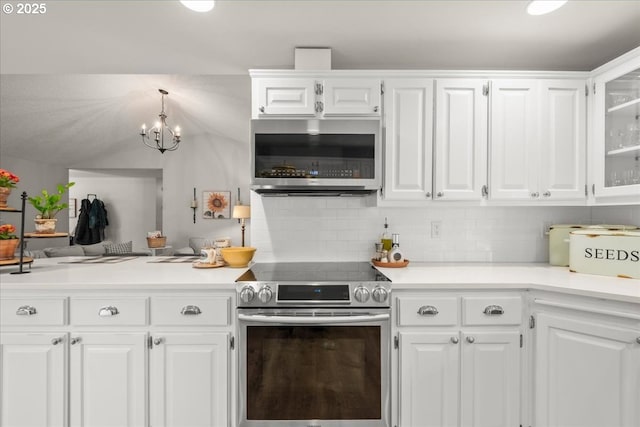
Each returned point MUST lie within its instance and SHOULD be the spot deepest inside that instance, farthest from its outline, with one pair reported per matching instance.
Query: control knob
(247, 294)
(380, 294)
(361, 294)
(265, 294)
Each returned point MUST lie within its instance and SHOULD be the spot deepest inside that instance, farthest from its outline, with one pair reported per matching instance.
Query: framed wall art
(216, 204)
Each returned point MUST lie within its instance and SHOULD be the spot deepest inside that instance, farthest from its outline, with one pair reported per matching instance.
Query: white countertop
(143, 273)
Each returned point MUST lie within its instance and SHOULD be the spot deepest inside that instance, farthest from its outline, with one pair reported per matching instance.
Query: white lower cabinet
(188, 378)
(107, 384)
(108, 365)
(587, 371)
(456, 368)
(33, 378)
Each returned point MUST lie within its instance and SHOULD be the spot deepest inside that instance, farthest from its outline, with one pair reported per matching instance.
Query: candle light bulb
(157, 125)
(177, 131)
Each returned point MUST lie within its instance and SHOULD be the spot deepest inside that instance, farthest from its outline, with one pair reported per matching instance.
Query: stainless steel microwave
(316, 157)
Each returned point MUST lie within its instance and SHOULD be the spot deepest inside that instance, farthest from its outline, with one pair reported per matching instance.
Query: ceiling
(77, 81)
(164, 37)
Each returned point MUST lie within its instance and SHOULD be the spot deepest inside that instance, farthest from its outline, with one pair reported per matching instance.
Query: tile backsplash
(345, 229)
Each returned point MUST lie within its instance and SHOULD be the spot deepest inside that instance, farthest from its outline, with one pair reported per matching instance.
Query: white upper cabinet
(315, 97)
(562, 139)
(460, 170)
(351, 97)
(537, 142)
(408, 139)
(514, 140)
(284, 96)
(616, 132)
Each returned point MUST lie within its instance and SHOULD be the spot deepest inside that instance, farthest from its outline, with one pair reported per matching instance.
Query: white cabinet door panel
(408, 139)
(490, 379)
(189, 378)
(32, 373)
(461, 139)
(351, 97)
(283, 96)
(514, 140)
(429, 379)
(587, 374)
(563, 139)
(108, 380)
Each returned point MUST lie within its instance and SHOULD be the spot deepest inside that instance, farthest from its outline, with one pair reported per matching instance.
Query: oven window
(309, 372)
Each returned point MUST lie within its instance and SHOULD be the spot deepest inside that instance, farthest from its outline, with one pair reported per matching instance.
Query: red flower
(8, 179)
(6, 232)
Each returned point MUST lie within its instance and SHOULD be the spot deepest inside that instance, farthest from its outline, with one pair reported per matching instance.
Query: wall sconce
(242, 212)
(194, 204)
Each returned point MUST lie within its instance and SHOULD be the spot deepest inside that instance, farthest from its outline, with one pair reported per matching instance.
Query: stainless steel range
(314, 345)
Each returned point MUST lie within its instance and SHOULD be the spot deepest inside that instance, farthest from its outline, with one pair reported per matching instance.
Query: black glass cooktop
(313, 272)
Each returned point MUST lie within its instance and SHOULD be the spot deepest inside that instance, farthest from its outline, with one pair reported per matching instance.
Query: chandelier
(158, 131)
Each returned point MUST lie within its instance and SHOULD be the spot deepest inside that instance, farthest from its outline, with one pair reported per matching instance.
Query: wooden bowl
(237, 256)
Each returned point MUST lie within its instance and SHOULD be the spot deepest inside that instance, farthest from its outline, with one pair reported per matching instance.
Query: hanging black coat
(92, 221)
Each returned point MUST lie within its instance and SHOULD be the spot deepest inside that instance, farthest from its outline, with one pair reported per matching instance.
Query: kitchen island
(141, 334)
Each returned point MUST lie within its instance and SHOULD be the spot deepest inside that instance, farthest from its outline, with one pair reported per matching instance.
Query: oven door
(314, 367)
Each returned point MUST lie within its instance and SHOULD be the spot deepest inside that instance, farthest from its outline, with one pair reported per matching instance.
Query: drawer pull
(108, 311)
(471, 340)
(75, 340)
(493, 310)
(454, 340)
(26, 310)
(56, 341)
(427, 310)
(190, 310)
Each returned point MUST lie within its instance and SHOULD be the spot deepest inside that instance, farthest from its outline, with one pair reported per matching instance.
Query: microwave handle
(312, 320)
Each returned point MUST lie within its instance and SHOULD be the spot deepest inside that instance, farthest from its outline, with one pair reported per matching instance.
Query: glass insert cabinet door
(622, 131)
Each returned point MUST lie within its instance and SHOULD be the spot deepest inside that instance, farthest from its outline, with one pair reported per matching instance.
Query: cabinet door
(616, 134)
(587, 374)
(562, 140)
(408, 139)
(514, 147)
(32, 373)
(283, 96)
(460, 139)
(189, 380)
(490, 379)
(108, 379)
(429, 379)
(351, 97)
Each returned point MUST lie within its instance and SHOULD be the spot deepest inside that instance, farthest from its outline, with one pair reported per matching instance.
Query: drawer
(506, 310)
(196, 310)
(109, 311)
(427, 311)
(33, 311)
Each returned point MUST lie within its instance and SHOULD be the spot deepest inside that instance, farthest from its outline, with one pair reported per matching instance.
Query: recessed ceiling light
(541, 7)
(199, 5)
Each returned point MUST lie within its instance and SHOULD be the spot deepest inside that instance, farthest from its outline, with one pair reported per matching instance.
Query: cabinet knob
(454, 340)
(56, 341)
(536, 194)
(26, 310)
(638, 340)
(547, 193)
(485, 191)
(108, 311)
(493, 310)
(428, 194)
(75, 340)
(376, 109)
(427, 310)
(158, 341)
(261, 109)
(190, 310)
(439, 194)
(471, 340)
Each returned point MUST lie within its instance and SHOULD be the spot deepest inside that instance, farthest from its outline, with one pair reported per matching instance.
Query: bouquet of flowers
(8, 179)
(6, 232)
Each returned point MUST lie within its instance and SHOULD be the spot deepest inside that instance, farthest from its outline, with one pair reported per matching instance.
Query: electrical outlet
(436, 229)
(546, 226)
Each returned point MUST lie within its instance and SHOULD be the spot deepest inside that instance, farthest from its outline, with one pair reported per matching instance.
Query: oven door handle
(313, 320)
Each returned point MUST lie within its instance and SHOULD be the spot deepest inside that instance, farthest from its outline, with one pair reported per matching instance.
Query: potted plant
(8, 181)
(8, 241)
(49, 204)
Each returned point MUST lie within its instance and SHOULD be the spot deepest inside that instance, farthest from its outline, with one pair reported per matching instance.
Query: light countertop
(144, 273)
